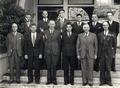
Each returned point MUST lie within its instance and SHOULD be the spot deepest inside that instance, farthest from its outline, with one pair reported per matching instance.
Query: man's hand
(40, 56)
(26, 56)
(78, 57)
(95, 56)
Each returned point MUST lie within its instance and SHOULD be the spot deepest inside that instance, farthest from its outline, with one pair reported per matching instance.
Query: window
(79, 2)
(50, 2)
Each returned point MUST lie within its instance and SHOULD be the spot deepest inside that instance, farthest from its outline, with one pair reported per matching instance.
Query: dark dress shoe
(66, 83)
(84, 84)
(18, 82)
(114, 70)
(90, 84)
(110, 84)
(48, 83)
(29, 82)
(54, 82)
(37, 82)
(11, 81)
(72, 83)
(101, 84)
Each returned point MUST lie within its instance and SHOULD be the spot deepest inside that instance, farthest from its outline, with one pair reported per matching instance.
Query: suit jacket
(114, 27)
(76, 28)
(59, 26)
(43, 25)
(96, 28)
(107, 44)
(91, 44)
(10, 43)
(24, 28)
(69, 44)
(35, 50)
(52, 42)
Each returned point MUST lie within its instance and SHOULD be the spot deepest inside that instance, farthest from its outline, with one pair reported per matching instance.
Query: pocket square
(19, 38)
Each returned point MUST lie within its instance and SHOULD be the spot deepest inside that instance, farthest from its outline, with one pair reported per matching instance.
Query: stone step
(118, 55)
(77, 73)
(115, 77)
(54, 86)
(60, 80)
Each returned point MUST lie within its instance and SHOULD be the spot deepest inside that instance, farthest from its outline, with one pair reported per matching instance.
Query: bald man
(52, 51)
(87, 53)
(14, 51)
(43, 23)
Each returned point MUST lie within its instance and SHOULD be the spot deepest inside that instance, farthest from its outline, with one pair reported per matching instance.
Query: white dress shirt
(106, 33)
(33, 37)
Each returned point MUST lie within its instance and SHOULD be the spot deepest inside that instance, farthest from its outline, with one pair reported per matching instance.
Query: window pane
(52, 12)
(86, 13)
(76, 2)
(49, 2)
(117, 2)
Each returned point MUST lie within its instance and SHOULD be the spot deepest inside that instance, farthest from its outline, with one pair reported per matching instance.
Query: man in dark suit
(113, 27)
(43, 23)
(52, 51)
(25, 26)
(87, 52)
(33, 44)
(60, 26)
(42, 26)
(14, 51)
(95, 27)
(77, 26)
(107, 49)
(61, 21)
(69, 54)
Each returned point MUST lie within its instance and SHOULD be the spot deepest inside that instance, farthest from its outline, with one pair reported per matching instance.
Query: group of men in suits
(92, 44)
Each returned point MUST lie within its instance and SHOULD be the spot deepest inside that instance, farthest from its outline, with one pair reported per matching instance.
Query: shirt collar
(45, 19)
(106, 32)
(33, 33)
(87, 33)
(14, 33)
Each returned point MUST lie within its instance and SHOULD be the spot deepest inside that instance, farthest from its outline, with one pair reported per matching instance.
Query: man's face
(45, 14)
(69, 27)
(94, 17)
(105, 26)
(86, 28)
(79, 18)
(51, 24)
(28, 18)
(33, 28)
(62, 14)
(14, 27)
(110, 16)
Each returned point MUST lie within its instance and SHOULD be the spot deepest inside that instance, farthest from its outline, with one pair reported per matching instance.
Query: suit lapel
(36, 38)
(30, 38)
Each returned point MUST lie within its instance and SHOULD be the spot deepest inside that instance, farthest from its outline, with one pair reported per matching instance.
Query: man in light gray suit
(86, 52)
(14, 52)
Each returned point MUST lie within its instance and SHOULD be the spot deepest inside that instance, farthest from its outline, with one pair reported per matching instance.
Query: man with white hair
(87, 52)
(51, 51)
(107, 50)
(14, 42)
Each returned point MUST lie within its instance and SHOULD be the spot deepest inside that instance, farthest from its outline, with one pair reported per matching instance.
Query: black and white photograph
(59, 44)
